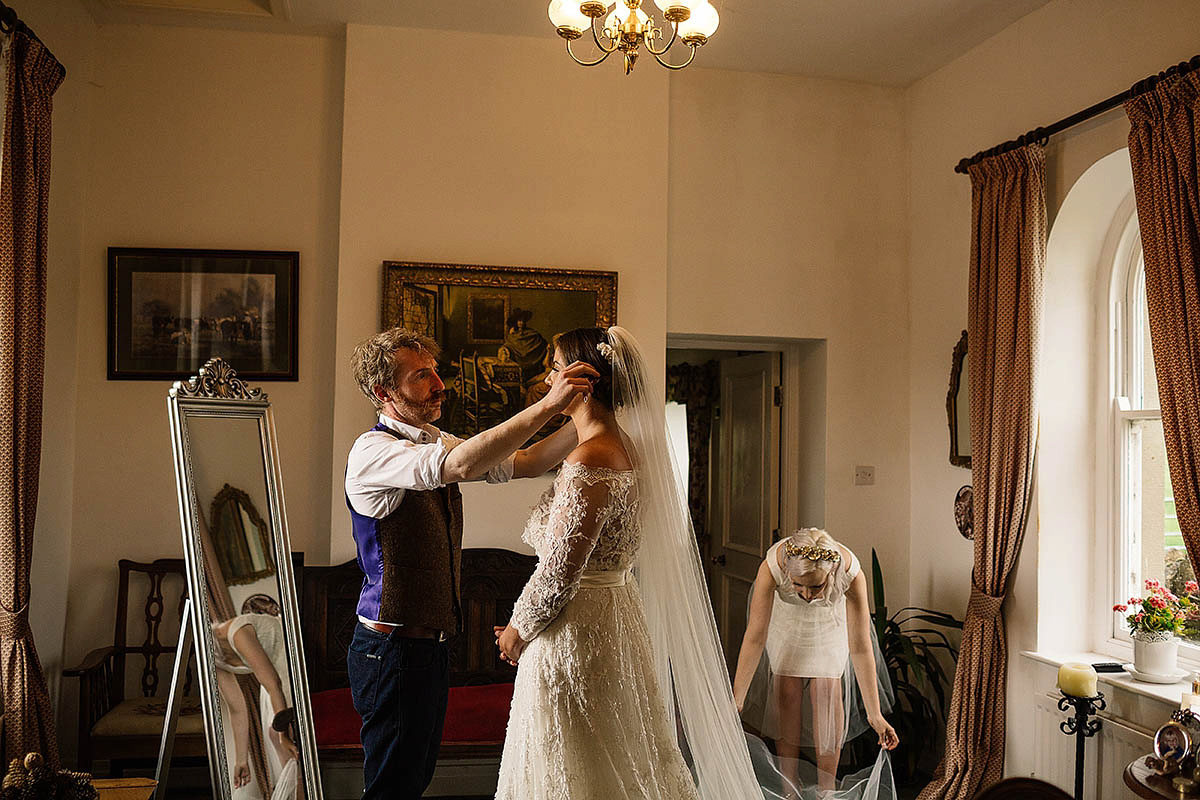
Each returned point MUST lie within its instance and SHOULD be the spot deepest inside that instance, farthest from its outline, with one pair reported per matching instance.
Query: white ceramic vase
(1155, 652)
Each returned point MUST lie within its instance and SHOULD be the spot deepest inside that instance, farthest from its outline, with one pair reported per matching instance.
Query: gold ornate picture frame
(496, 328)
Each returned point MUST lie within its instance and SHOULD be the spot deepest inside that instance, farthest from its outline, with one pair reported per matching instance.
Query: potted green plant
(919, 657)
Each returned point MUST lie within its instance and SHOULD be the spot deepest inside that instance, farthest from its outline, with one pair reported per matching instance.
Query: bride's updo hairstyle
(592, 346)
(803, 550)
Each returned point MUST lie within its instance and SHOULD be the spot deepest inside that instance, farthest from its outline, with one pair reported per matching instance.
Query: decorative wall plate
(964, 512)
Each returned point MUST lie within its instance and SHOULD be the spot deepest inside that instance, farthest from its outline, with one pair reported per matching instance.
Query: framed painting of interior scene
(496, 327)
(171, 310)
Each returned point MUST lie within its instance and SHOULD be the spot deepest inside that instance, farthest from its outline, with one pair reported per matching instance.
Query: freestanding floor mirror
(244, 612)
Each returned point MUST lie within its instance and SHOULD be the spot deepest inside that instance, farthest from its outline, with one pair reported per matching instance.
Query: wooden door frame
(798, 506)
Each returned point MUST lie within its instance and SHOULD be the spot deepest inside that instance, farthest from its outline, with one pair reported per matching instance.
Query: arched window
(1146, 535)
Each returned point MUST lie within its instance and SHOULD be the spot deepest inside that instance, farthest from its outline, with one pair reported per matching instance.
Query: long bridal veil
(728, 763)
(689, 664)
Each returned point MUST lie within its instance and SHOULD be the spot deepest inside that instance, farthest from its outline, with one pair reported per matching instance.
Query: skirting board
(464, 777)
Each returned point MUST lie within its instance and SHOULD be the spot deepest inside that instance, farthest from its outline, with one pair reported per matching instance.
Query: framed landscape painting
(496, 327)
(170, 310)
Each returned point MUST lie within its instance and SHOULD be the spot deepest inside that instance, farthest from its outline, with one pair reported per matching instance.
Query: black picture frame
(172, 309)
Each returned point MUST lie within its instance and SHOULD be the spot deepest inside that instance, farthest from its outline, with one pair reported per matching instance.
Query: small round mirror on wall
(958, 410)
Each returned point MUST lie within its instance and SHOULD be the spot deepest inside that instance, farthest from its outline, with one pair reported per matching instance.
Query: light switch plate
(864, 476)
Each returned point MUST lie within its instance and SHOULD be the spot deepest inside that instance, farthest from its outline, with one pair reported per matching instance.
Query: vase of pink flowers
(1155, 622)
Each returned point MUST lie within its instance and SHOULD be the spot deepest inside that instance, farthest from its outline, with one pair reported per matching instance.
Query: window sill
(1170, 693)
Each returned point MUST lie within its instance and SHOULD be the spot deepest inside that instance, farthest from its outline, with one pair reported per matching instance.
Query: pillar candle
(1078, 680)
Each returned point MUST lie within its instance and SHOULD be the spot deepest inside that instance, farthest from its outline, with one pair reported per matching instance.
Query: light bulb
(702, 24)
(566, 14)
(617, 17)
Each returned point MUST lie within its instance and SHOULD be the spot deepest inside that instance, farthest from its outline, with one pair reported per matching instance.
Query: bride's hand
(510, 643)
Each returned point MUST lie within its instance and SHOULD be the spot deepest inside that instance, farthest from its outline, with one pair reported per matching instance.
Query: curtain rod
(1043, 134)
(9, 22)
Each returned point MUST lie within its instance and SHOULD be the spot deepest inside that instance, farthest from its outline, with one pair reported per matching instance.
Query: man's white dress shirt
(381, 467)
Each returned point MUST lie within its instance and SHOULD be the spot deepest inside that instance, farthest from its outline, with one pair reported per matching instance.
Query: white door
(745, 518)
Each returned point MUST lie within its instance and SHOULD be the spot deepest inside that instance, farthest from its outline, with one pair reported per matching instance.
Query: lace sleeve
(576, 516)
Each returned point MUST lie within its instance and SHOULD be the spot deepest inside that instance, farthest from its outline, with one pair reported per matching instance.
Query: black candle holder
(1080, 727)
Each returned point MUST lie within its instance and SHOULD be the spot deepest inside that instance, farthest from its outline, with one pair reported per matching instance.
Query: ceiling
(885, 42)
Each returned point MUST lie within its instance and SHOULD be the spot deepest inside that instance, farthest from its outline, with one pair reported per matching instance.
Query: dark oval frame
(956, 366)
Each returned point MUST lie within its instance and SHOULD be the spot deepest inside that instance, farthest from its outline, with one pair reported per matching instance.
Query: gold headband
(811, 552)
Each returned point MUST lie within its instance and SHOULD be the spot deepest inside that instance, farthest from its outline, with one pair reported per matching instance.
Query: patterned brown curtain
(696, 387)
(33, 76)
(1163, 142)
(1008, 252)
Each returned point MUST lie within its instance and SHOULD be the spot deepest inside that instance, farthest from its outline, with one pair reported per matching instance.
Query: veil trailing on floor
(727, 763)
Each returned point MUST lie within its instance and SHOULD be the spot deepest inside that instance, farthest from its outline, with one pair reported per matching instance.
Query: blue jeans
(399, 687)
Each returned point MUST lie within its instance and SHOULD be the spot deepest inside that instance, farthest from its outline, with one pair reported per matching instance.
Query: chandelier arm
(583, 63)
(596, 39)
(674, 66)
(674, 36)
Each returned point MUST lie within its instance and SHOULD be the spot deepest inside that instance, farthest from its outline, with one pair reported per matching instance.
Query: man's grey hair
(373, 363)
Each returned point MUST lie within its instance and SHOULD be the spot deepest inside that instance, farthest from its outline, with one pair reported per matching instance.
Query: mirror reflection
(240, 537)
(249, 650)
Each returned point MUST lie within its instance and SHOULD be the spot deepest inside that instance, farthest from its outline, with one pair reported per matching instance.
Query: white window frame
(1125, 334)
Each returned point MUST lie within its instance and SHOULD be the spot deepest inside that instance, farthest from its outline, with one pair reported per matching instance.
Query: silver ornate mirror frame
(217, 392)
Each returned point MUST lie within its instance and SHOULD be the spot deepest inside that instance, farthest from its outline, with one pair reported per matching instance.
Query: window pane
(1144, 384)
(1156, 546)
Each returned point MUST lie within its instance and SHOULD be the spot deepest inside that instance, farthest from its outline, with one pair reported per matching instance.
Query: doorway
(766, 459)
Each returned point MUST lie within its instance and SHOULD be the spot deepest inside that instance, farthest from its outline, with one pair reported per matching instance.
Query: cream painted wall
(1059, 59)
(65, 28)
(478, 149)
(196, 139)
(787, 219)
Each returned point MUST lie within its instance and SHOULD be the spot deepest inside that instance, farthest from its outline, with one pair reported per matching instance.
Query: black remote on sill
(1108, 666)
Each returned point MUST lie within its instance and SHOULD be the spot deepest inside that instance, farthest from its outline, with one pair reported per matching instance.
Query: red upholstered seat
(474, 715)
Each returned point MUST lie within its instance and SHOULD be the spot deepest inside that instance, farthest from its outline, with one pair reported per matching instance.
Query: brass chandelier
(627, 27)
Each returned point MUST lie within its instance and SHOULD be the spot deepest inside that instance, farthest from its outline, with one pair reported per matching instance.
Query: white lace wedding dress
(587, 718)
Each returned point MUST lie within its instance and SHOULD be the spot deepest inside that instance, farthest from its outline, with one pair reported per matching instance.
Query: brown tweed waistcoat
(421, 546)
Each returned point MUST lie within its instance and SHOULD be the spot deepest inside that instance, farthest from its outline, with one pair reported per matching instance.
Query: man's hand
(510, 643)
(571, 382)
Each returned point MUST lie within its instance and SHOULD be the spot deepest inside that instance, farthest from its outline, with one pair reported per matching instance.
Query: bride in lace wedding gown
(598, 655)
(587, 718)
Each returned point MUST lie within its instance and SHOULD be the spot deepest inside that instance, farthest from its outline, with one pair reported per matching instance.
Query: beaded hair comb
(811, 552)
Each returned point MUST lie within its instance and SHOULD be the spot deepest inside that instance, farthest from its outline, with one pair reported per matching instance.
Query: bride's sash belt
(603, 578)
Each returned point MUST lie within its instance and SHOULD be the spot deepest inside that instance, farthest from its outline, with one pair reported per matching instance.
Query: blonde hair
(373, 364)
(796, 566)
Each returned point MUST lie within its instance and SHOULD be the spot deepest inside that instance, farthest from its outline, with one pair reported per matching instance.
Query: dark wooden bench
(481, 684)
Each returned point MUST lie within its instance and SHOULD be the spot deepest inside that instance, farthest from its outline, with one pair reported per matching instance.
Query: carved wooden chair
(125, 726)
(481, 404)
(1022, 789)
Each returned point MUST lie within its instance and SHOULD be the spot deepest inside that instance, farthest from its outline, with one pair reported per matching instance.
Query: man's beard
(426, 412)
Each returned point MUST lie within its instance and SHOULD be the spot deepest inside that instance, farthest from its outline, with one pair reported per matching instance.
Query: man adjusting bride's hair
(606, 660)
